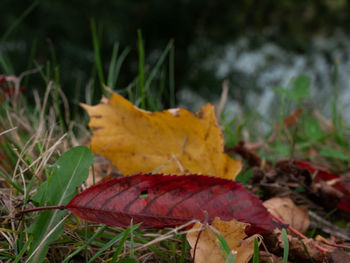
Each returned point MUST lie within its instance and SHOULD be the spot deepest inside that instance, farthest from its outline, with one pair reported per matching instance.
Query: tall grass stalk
(97, 52)
(141, 76)
(19, 20)
(172, 76)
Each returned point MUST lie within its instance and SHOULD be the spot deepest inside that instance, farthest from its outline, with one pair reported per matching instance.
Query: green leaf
(226, 251)
(334, 154)
(299, 91)
(69, 172)
(300, 88)
(286, 246)
(281, 150)
(312, 129)
(256, 251)
(284, 92)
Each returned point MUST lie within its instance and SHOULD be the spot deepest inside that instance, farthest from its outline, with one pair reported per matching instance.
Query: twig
(60, 207)
(222, 102)
(9, 130)
(298, 233)
(323, 240)
(329, 228)
(252, 158)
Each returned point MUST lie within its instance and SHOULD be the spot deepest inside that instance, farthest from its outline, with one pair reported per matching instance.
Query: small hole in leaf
(144, 194)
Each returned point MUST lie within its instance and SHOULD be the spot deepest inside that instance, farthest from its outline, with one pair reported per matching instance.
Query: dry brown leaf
(284, 208)
(208, 249)
(172, 141)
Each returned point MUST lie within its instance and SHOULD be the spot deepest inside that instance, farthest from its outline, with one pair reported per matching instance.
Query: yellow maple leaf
(171, 142)
(208, 249)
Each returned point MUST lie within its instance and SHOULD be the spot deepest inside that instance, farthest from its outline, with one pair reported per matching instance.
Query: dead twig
(292, 229)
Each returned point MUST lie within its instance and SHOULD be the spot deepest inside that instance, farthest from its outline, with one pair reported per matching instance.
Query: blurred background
(255, 45)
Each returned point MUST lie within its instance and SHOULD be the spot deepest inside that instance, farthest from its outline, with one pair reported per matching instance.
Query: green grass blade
(23, 250)
(286, 246)
(306, 251)
(158, 65)
(96, 234)
(97, 52)
(131, 239)
(115, 65)
(256, 251)
(159, 104)
(226, 250)
(6, 65)
(19, 20)
(120, 246)
(119, 64)
(154, 248)
(141, 91)
(110, 243)
(112, 65)
(172, 77)
(152, 104)
(183, 249)
(30, 62)
(9, 181)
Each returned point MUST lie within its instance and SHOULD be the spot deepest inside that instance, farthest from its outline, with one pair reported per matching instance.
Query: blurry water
(271, 65)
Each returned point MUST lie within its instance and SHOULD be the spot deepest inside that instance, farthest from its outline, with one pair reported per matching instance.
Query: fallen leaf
(160, 201)
(327, 194)
(284, 208)
(173, 141)
(336, 181)
(208, 249)
(282, 179)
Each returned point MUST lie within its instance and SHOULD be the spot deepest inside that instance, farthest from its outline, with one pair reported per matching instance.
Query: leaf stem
(61, 207)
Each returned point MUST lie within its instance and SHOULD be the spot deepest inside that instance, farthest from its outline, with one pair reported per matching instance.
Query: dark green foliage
(200, 25)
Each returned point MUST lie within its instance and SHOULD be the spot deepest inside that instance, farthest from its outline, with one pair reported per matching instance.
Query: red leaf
(325, 175)
(171, 201)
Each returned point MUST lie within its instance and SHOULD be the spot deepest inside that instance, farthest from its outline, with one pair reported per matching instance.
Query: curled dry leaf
(173, 141)
(284, 208)
(208, 249)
